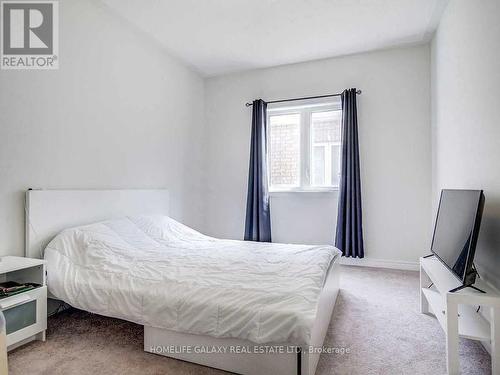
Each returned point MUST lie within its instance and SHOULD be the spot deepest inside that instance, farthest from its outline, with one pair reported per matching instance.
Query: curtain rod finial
(248, 104)
(358, 92)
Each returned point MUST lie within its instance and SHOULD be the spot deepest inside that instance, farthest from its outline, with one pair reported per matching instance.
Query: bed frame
(50, 211)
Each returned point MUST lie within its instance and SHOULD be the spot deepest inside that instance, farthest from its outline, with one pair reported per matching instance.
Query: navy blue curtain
(349, 233)
(258, 216)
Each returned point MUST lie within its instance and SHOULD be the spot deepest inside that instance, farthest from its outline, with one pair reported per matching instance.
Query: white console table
(457, 312)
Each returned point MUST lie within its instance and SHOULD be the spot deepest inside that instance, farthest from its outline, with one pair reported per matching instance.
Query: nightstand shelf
(471, 324)
(26, 312)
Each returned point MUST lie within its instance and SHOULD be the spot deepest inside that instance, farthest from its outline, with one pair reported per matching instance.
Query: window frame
(305, 144)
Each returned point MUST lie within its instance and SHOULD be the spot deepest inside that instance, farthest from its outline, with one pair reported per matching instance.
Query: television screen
(456, 229)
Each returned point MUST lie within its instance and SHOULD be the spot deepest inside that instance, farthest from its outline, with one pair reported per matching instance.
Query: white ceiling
(221, 36)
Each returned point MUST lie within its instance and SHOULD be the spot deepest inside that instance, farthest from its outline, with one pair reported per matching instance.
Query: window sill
(304, 191)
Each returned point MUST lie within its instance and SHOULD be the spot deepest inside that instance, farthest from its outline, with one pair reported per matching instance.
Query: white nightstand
(458, 313)
(26, 312)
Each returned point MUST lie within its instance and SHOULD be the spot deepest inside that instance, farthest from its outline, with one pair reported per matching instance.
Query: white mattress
(155, 271)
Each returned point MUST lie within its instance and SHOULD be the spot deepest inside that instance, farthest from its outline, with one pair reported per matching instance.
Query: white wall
(394, 125)
(466, 114)
(119, 113)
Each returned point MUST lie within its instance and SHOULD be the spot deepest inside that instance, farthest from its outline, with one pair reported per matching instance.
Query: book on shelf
(10, 288)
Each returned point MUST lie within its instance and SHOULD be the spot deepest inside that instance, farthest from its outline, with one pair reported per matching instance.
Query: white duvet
(155, 271)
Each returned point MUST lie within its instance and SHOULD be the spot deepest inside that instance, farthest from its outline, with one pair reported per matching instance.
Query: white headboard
(50, 211)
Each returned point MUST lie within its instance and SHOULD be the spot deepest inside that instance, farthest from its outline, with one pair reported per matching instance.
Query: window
(304, 147)
(285, 150)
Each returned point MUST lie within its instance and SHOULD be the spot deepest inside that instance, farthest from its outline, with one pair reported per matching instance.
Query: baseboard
(380, 263)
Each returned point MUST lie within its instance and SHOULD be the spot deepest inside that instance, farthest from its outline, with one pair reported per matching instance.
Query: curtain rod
(303, 98)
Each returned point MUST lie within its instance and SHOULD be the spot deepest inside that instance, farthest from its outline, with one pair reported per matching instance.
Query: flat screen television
(456, 231)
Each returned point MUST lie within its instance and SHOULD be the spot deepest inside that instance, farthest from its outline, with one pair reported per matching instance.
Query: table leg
(452, 336)
(424, 305)
(495, 341)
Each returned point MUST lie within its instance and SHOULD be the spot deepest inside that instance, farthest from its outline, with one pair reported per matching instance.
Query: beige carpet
(376, 318)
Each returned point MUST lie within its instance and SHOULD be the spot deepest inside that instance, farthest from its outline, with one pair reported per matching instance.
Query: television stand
(456, 309)
(469, 280)
(466, 286)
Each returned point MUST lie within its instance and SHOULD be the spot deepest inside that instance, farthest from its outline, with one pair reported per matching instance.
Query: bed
(245, 307)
